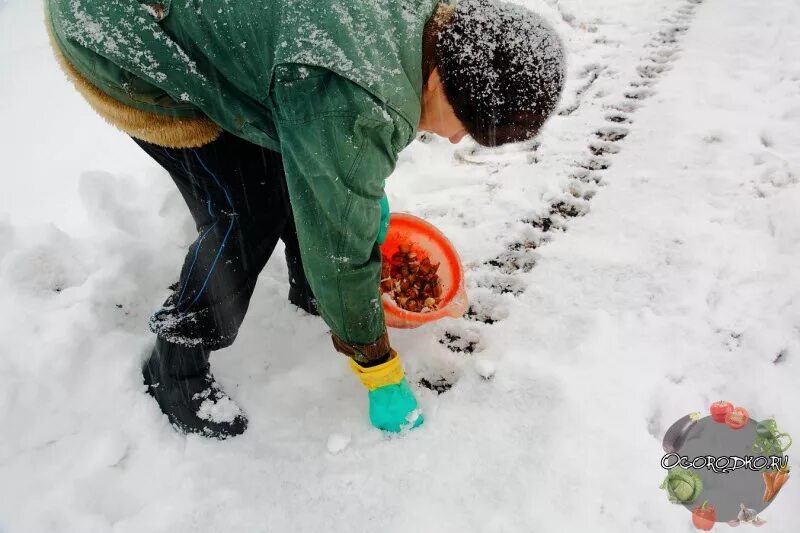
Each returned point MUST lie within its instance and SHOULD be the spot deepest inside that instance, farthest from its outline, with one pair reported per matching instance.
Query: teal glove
(384, 227)
(392, 406)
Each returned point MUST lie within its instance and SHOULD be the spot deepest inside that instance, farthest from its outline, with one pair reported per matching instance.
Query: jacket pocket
(302, 93)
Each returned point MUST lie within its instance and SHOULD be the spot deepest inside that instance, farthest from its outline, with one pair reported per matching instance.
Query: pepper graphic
(704, 516)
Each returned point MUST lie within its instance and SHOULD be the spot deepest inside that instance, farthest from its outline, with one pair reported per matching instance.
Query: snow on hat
(503, 70)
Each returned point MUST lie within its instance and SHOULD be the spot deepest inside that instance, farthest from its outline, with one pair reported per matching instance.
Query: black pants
(236, 193)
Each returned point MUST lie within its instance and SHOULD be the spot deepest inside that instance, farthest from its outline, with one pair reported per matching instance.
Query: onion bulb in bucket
(424, 241)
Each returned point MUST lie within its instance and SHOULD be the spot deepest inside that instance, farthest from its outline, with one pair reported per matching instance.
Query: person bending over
(282, 120)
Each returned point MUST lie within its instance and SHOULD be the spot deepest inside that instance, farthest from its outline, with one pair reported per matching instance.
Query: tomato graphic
(704, 517)
(719, 410)
(738, 418)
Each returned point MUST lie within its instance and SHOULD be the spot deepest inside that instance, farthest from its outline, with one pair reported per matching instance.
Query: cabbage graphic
(682, 486)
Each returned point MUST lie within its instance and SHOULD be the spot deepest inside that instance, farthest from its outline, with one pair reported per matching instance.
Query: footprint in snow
(612, 133)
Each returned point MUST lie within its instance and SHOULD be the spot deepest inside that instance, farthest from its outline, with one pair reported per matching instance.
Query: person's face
(437, 114)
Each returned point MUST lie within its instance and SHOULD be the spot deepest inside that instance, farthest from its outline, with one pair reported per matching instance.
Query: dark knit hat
(502, 68)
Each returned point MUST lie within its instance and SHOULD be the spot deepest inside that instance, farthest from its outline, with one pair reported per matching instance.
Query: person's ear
(434, 80)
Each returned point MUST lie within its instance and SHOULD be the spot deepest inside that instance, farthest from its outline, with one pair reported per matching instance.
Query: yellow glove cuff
(374, 377)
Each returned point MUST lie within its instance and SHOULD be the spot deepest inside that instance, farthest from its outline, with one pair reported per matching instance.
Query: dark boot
(303, 298)
(300, 293)
(179, 378)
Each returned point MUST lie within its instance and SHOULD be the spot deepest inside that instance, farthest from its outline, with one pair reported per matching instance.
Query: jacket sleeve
(338, 145)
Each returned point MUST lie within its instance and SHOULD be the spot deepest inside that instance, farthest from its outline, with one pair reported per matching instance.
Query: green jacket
(333, 85)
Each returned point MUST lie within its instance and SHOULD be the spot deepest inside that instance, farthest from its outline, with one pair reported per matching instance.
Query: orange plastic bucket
(426, 241)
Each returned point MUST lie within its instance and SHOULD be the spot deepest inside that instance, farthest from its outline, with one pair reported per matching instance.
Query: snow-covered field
(677, 147)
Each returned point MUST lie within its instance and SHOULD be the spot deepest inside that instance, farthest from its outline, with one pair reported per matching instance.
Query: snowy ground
(675, 285)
